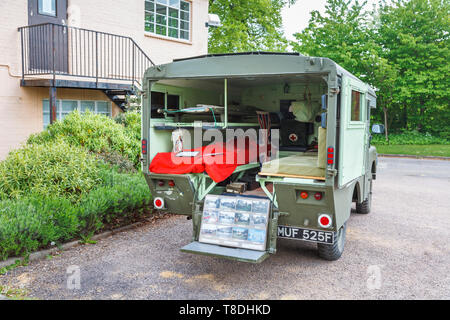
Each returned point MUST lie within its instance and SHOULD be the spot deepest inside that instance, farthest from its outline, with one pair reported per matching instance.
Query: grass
(440, 150)
(14, 294)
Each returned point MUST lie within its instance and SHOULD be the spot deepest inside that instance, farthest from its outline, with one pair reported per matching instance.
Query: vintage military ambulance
(319, 159)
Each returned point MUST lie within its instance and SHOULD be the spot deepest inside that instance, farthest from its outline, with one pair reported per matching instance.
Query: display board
(235, 221)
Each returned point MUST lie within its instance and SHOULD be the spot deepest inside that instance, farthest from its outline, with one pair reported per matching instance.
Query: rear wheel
(333, 251)
(364, 207)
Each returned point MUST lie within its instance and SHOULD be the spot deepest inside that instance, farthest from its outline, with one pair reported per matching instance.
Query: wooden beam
(290, 176)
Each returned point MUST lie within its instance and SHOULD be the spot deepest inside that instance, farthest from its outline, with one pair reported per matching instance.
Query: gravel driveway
(399, 251)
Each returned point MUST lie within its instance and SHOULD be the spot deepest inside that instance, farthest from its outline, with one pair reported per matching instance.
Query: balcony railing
(54, 50)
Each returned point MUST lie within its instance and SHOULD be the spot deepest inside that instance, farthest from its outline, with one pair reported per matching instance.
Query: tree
(414, 36)
(247, 25)
(401, 49)
(346, 34)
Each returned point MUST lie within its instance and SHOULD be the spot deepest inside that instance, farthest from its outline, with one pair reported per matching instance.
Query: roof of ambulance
(246, 64)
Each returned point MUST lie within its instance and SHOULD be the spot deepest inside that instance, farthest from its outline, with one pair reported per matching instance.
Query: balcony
(59, 56)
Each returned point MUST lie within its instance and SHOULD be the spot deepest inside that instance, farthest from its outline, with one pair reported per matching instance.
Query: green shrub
(50, 169)
(97, 133)
(33, 222)
(117, 198)
(117, 161)
(408, 138)
(131, 120)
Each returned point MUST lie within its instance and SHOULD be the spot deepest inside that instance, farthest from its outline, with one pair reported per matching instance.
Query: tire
(332, 252)
(364, 207)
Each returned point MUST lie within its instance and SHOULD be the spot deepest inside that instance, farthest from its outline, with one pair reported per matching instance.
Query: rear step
(237, 254)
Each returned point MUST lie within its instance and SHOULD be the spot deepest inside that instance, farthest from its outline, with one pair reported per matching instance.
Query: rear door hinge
(332, 172)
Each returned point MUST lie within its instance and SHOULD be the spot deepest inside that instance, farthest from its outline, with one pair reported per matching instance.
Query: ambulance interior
(293, 104)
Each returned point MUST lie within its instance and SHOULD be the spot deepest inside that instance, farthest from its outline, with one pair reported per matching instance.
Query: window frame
(59, 111)
(362, 113)
(44, 13)
(167, 16)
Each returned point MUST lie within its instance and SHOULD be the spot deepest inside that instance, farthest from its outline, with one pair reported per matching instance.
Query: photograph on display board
(240, 233)
(259, 220)
(260, 206)
(235, 221)
(256, 235)
(224, 232)
(208, 230)
(228, 203)
(244, 205)
(242, 218)
(210, 216)
(212, 202)
(226, 217)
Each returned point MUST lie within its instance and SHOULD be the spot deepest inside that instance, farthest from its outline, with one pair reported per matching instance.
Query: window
(64, 107)
(356, 114)
(158, 102)
(169, 18)
(47, 7)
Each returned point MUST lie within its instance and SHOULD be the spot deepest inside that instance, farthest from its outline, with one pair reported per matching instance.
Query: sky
(296, 17)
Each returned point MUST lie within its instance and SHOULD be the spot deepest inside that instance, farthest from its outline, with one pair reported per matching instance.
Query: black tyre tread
(331, 252)
(363, 207)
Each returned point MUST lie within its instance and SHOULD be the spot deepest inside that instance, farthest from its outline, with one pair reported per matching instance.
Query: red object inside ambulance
(219, 160)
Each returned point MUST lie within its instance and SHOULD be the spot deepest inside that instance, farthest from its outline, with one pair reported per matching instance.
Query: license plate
(306, 234)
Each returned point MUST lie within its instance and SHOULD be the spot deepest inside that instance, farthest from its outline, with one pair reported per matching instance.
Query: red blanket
(219, 160)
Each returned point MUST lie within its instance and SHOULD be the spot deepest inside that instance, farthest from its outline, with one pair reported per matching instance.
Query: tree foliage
(401, 48)
(247, 25)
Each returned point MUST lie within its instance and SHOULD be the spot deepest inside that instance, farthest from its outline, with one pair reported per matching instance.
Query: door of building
(48, 43)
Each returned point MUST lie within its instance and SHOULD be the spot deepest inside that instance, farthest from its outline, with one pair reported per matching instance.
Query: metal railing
(58, 50)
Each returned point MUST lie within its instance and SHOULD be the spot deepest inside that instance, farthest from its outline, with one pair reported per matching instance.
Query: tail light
(318, 196)
(330, 155)
(325, 221)
(144, 146)
(303, 194)
(171, 183)
(161, 183)
(158, 203)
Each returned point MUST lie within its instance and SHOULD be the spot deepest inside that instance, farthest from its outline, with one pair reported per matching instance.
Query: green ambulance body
(310, 193)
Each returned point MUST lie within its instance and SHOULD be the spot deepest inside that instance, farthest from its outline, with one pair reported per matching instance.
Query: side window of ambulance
(356, 106)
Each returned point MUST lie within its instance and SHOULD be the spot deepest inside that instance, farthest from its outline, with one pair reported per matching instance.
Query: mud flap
(237, 254)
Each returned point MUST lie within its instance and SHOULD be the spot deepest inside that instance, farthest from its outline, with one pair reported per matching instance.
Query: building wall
(21, 108)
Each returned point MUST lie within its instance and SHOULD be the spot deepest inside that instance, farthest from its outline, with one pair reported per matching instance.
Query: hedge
(34, 221)
(53, 168)
(94, 132)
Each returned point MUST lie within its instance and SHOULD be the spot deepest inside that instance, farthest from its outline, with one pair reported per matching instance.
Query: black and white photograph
(226, 217)
(224, 232)
(260, 206)
(244, 205)
(242, 218)
(259, 220)
(228, 203)
(256, 235)
(240, 233)
(210, 216)
(208, 229)
(212, 202)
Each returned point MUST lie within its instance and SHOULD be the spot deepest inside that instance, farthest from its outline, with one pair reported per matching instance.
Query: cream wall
(126, 17)
(21, 108)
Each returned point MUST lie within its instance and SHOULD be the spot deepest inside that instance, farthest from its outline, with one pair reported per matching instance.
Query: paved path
(403, 243)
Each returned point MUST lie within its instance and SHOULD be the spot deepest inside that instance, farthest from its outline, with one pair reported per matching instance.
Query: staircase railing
(57, 50)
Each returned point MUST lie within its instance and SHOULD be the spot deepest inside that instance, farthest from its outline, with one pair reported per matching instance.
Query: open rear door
(237, 254)
(353, 130)
(236, 227)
